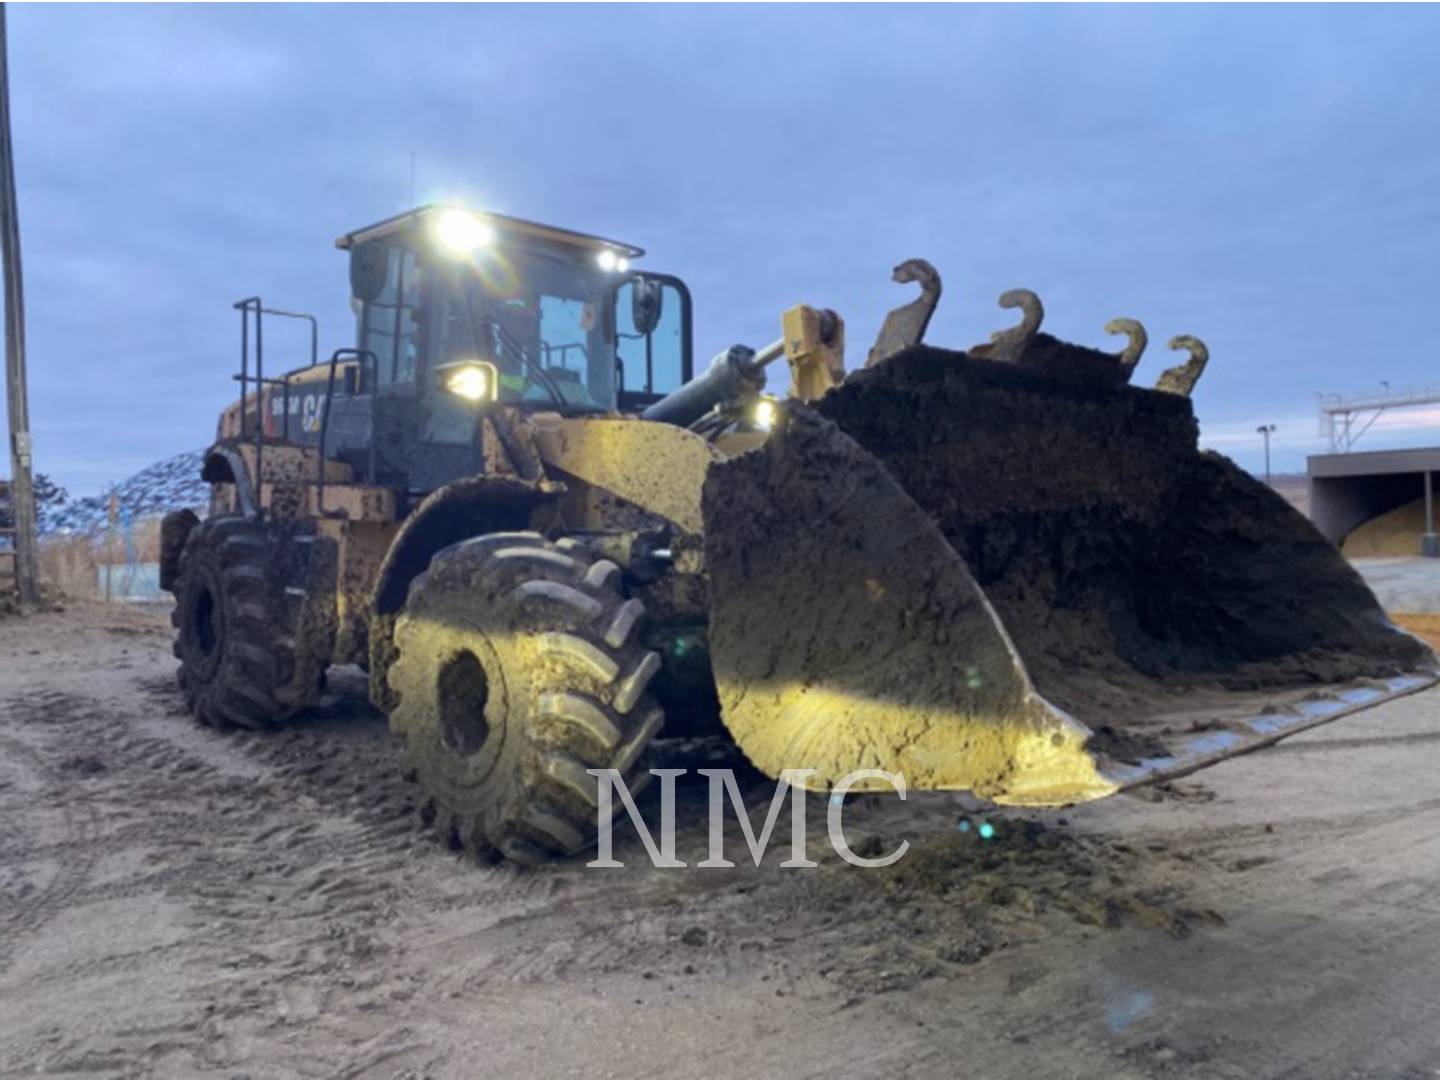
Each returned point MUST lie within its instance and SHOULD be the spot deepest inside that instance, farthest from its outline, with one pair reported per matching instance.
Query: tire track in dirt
(304, 845)
(28, 911)
(262, 852)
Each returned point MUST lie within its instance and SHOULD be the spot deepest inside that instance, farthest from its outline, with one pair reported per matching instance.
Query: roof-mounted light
(611, 261)
(461, 232)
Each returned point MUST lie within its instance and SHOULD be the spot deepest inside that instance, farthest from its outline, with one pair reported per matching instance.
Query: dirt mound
(1125, 563)
(1425, 626)
(1078, 363)
(828, 654)
(1393, 534)
(171, 484)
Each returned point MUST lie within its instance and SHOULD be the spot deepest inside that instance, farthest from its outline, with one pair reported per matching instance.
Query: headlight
(764, 414)
(462, 232)
(473, 380)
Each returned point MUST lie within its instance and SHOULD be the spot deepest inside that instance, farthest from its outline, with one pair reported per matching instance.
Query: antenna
(411, 203)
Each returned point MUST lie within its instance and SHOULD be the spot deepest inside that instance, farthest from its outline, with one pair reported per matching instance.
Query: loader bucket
(1022, 581)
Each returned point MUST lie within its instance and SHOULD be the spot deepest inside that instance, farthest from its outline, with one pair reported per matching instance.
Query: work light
(612, 261)
(764, 413)
(473, 380)
(461, 232)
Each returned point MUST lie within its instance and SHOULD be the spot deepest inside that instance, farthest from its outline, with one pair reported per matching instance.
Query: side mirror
(369, 270)
(646, 304)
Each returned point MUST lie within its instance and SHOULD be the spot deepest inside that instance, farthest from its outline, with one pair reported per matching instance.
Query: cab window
(388, 327)
(537, 319)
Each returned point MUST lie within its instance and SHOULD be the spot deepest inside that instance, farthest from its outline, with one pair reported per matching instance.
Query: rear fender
(224, 465)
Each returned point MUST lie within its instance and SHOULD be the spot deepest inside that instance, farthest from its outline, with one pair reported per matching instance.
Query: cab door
(389, 338)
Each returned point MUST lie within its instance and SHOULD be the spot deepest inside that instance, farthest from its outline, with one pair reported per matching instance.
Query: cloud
(173, 159)
(94, 281)
(1409, 419)
(181, 59)
(1297, 430)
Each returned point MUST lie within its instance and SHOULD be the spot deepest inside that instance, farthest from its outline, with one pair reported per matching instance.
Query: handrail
(245, 307)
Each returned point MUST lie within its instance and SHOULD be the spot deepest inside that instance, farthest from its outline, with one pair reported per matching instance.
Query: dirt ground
(177, 902)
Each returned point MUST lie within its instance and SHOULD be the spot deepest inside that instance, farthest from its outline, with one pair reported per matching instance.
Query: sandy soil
(177, 902)
(1396, 534)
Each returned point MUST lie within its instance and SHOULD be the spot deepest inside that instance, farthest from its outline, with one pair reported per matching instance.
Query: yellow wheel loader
(549, 540)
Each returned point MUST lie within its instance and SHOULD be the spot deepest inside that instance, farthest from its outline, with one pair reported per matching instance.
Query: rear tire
(520, 667)
(243, 661)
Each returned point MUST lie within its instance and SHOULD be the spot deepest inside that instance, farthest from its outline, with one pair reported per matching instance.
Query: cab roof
(502, 223)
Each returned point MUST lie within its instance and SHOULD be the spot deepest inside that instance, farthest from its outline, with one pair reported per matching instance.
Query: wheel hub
(204, 616)
(464, 692)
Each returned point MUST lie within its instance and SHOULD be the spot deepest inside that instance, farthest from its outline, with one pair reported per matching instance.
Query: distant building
(1349, 489)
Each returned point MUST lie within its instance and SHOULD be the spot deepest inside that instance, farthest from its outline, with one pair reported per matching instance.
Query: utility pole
(1266, 430)
(22, 487)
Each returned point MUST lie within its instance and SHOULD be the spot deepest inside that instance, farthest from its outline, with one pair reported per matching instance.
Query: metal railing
(1339, 413)
(252, 305)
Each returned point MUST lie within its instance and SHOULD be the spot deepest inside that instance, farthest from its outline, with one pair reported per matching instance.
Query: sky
(1267, 178)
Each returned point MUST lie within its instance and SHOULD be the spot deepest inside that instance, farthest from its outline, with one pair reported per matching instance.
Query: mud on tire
(520, 667)
(238, 629)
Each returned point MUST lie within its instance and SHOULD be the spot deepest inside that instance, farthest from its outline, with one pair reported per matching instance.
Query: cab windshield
(539, 318)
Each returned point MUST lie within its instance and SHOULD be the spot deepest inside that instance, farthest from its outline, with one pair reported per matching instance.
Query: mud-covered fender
(224, 465)
(455, 512)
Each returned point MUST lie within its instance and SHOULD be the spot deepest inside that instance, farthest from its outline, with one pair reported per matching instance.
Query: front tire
(519, 667)
(243, 658)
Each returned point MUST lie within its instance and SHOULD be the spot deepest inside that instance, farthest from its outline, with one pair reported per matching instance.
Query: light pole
(1266, 430)
(22, 491)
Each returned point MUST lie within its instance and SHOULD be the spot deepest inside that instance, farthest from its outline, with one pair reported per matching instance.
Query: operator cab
(567, 323)
(457, 309)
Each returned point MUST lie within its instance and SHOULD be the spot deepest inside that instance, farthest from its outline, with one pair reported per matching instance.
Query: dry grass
(69, 565)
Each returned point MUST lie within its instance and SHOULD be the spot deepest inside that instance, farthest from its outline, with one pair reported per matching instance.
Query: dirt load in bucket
(1118, 555)
(846, 633)
(1029, 512)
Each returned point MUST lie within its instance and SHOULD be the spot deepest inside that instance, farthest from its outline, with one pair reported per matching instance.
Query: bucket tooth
(905, 327)
(1182, 378)
(1129, 356)
(1010, 345)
